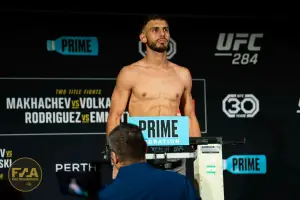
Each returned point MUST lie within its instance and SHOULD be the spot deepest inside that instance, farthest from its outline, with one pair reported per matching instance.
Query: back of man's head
(127, 142)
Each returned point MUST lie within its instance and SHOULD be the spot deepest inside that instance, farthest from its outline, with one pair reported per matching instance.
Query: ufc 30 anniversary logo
(25, 174)
(240, 105)
(242, 47)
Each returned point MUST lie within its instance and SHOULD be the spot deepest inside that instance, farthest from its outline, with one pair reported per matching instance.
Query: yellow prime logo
(25, 174)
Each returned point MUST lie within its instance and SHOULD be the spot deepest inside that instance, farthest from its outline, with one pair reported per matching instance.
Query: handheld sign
(246, 164)
(74, 46)
(163, 131)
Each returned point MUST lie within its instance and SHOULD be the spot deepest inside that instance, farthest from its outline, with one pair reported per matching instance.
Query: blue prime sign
(247, 164)
(163, 131)
(74, 46)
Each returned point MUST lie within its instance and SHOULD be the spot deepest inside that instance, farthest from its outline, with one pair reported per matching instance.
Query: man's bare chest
(149, 86)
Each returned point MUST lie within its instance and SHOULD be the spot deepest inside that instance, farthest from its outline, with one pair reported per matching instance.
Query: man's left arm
(187, 107)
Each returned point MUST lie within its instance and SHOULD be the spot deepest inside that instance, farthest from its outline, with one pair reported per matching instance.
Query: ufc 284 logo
(242, 47)
(240, 105)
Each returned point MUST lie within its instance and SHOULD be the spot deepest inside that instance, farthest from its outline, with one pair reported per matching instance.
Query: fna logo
(25, 174)
(74, 46)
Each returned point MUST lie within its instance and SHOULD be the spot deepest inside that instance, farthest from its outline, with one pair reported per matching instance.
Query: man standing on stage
(153, 86)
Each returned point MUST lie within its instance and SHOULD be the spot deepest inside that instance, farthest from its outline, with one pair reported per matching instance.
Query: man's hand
(186, 105)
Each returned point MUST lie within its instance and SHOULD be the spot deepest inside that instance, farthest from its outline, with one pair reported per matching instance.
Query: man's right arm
(119, 98)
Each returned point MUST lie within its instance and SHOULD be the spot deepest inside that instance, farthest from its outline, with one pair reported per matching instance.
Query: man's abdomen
(158, 110)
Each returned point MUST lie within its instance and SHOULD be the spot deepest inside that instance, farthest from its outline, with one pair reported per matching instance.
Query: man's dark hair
(127, 141)
(152, 17)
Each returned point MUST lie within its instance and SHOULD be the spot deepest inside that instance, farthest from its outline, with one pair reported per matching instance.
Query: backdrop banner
(59, 71)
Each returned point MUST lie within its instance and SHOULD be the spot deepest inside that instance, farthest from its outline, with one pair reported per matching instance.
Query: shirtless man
(153, 86)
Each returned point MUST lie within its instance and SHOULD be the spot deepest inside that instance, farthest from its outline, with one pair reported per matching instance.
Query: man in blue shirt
(135, 178)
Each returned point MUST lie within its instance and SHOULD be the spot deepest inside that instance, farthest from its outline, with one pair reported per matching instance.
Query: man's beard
(159, 49)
